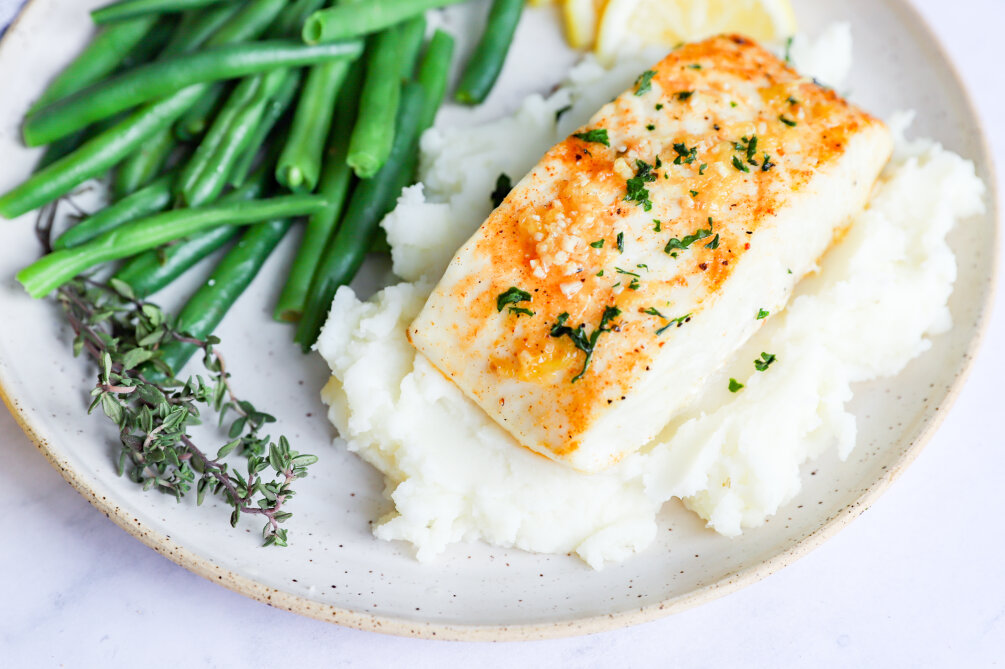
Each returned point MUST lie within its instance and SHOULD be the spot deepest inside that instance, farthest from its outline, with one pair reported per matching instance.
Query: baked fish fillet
(635, 258)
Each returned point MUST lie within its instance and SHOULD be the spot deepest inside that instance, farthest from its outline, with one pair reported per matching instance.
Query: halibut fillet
(636, 257)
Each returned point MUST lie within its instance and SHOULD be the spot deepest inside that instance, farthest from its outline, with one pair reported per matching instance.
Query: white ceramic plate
(335, 570)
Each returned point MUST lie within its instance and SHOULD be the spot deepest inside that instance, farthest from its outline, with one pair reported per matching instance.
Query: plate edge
(593, 624)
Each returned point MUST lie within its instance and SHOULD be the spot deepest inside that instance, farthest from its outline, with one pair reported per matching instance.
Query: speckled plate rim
(592, 624)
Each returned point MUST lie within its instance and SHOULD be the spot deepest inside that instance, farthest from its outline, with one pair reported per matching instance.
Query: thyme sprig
(155, 412)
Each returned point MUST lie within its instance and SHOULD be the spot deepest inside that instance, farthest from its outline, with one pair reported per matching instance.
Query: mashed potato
(734, 458)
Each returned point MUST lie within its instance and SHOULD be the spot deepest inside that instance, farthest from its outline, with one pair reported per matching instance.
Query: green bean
(64, 146)
(165, 77)
(241, 23)
(253, 19)
(373, 134)
(61, 147)
(274, 110)
(111, 146)
(152, 270)
(194, 122)
(334, 187)
(153, 44)
(200, 160)
(413, 35)
(370, 201)
(300, 162)
(144, 202)
(128, 9)
(144, 51)
(206, 174)
(197, 26)
(96, 155)
(143, 166)
(55, 269)
(103, 55)
(434, 73)
(354, 20)
(487, 60)
(209, 304)
(141, 53)
(291, 22)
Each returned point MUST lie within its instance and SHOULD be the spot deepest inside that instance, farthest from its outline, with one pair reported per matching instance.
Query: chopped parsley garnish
(503, 186)
(766, 164)
(762, 363)
(634, 285)
(644, 83)
(734, 385)
(694, 193)
(672, 322)
(653, 312)
(561, 112)
(637, 191)
(749, 146)
(687, 241)
(702, 168)
(585, 343)
(656, 227)
(694, 66)
(650, 127)
(714, 244)
(787, 121)
(621, 242)
(684, 155)
(597, 136)
(642, 266)
(511, 297)
(659, 106)
(599, 244)
(788, 50)
(624, 271)
(789, 271)
(762, 314)
(792, 101)
(732, 103)
(683, 95)
(600, 273)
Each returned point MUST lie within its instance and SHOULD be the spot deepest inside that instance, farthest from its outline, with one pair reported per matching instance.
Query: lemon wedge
(581, 19)
(627, 24)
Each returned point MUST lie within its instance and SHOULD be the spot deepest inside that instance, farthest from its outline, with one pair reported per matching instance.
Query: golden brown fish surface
(634, 259)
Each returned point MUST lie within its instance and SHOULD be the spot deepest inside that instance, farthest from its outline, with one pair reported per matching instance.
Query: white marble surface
(915, 582)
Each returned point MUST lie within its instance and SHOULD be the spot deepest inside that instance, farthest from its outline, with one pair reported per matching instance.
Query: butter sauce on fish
(635, 258)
